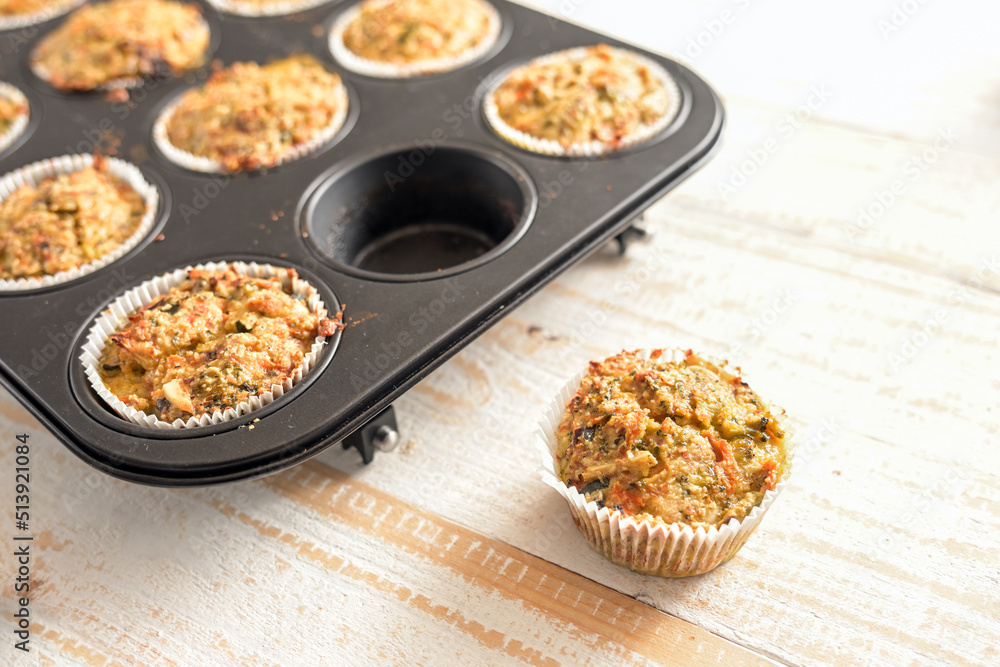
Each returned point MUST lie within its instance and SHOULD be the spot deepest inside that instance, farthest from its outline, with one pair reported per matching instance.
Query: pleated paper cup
(53, 10)
(259, 9)
(35, 173)
(647, 545)
(115, 317)
(584, 148)
(206, 165)
(386, 70)
(119, 83)
(20, 122)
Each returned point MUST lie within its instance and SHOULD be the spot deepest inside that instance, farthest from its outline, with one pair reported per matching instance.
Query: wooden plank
(893, 414)
(305, 564)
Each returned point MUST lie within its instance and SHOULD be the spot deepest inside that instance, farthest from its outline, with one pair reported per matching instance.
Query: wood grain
(876, 329)
(360, 574)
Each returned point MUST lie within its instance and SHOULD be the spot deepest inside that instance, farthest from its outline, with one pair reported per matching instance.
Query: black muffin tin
(488, 224)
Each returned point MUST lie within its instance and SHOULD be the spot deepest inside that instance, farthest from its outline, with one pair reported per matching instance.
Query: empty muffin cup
(418, 213)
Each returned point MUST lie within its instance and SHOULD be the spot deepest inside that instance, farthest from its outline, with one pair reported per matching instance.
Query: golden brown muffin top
(211, 343)
(10, 110)
(602, 95)
(678, 442)
(66, 221)
(109, 42)
(247, 116)
(23, 7)
(407, 31)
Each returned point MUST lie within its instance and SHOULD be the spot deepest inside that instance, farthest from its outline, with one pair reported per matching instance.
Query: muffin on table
(668, 459)
(249, 116)
(403, 38)
(217, 339)
(583, 101)
(121, 42)
(67, 221)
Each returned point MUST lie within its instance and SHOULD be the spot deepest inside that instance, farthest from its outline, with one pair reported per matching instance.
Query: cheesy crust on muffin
(116, 42)
(597, 94)
(249, 116)
(66, 221)
(677, 442)
(210, 343)
(408, 31)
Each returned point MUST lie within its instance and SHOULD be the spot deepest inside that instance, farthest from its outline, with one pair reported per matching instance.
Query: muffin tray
(416, 217)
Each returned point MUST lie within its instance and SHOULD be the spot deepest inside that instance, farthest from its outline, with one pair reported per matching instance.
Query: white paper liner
(124, 82)
(35, 173)
(580, 148)
(276, 8)
(651, 547)
(19, 124)
(116, 316)
(207, 165)
(384, 70)
(24, 20)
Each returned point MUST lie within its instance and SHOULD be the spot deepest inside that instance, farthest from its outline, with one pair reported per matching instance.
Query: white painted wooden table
(844, 247)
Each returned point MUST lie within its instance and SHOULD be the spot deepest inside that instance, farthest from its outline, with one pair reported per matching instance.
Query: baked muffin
(19, 13)
(265, 7)
(66, 221)
(215, 339)
(249, 116)
(668, 443)
(22, 7)
(120, 42)
(584, 101)
(399, 38)
(13, 114)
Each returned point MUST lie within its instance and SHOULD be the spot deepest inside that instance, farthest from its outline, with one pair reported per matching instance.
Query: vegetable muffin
(66, 221)
(210, 343)
(598, 94)
(28, 7)
(13, 107)
(400, 38)
(670, 441)
(249, 116)
(115, 43)
(10, 110)
(18, 13)
(265, 7)
(21, 7)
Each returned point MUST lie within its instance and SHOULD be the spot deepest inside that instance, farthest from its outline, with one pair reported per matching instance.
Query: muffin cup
(207, 165)
(581, 148)
(648, 546)
(35, 173)
(19, 124)
(276, 8)
(116, 316)
(123, 82)
(24, 20)
(384, 70)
